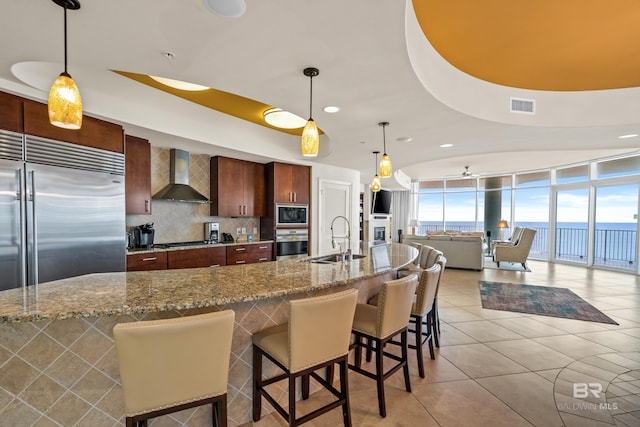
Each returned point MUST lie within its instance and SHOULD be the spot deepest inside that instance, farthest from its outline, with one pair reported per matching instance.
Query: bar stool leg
(344, 387)
(418, 334)
(257, 378)
(292, 400)
(405, 357)
(380, 377)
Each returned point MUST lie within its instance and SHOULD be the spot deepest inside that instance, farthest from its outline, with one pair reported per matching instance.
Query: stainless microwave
(288, 215)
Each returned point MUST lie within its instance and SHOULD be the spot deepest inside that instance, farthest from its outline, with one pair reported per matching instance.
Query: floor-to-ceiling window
(583, 213)
(460, 205)
(531, 209)
(571, 224)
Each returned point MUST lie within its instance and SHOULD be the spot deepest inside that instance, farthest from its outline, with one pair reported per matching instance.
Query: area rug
(542, 300)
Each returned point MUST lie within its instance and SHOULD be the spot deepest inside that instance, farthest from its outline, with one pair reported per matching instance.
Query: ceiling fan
(467, 174)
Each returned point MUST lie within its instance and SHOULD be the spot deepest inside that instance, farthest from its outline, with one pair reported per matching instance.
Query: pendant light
(375, 184)
(65, 104)
(310, 138)
(385, 161)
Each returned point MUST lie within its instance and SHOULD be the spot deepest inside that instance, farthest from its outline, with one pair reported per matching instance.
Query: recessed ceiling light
(404, 139)
(177, 84)
(226, 8)
(631, 135)
(331, 109)
(446, 145)
(283, 119)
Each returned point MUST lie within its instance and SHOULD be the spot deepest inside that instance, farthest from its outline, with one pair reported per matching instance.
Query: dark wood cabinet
(11, 112)
(249, 254)
(94, 133)
(147, 261)
(237, 187)
(291, 183)
(194, 258)
(137, 155)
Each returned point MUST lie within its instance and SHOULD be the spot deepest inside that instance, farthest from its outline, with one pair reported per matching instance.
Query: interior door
(335, 200)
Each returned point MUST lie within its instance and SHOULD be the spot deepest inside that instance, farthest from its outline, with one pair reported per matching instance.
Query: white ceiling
(374, 64)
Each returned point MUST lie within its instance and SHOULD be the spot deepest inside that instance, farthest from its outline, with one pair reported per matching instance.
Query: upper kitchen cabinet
(94, 132)
(10, 112)
(237, 187)
(290, 182)
(137, 155)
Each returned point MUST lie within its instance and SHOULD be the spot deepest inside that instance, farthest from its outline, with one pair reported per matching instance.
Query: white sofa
(465, 252)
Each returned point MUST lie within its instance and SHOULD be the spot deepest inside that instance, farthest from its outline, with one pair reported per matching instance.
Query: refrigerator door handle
(34, 236)
(21, 226)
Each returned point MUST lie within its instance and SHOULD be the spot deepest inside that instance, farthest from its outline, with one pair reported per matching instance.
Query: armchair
(518, 252)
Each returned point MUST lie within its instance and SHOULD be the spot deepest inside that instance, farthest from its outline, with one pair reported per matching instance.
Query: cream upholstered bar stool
(316, 336)
(421, 318)
(375, 326)
(169, 365)
(419, 264)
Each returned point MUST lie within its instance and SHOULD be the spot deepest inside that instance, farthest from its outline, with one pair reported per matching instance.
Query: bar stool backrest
(426, 291)
(170, 361)
(320, 328)
(424, 255)
(394, 305)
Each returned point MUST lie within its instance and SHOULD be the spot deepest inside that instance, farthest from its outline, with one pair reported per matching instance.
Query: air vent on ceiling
(523, 106)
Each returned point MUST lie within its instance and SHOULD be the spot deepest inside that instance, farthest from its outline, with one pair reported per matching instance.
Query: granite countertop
(204, 244)
(106, 294)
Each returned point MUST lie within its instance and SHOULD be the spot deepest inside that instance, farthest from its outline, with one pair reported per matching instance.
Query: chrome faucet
(333, 239)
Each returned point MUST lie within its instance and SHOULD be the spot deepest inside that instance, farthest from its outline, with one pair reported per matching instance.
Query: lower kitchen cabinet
(247, 254)
(194, 258)
(147, 261)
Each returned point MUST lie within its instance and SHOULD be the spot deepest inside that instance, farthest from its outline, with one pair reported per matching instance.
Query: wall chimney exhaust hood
(179, 189)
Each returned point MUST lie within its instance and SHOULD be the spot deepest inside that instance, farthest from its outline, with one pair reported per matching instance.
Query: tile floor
(500, 368)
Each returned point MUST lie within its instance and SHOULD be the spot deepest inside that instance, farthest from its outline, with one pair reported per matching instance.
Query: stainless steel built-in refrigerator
(62, 210)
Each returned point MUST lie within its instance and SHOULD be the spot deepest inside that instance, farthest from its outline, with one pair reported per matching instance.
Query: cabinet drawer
(149, 261)
(248, 254)
(194, 258)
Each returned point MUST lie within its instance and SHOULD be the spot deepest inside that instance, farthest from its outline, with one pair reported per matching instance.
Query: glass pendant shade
(65, 104)
(310, 139)
(385, 166)
(375, 184)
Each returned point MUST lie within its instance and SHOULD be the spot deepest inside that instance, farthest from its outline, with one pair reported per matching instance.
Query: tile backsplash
(184, 222)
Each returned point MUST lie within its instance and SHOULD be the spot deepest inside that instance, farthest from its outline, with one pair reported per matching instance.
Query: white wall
(318, 172)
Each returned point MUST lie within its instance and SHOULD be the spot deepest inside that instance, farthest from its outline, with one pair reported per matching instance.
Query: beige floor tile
(613, 339)
(528, 394)
(455, 314)
(573, 346)
(529, 327)
(449, 335)
(488, 314)
(465, 403)
(478, 360)
(531, 355)
(570, 325)
(486, 331)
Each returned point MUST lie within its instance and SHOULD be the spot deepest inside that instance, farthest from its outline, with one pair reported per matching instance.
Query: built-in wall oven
(288, 215)
(292, 243)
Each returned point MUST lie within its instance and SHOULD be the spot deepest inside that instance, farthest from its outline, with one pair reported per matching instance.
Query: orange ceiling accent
(225, 102)
(556, 45)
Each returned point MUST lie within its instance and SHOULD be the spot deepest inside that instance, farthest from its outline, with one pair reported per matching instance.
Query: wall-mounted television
(381, 202)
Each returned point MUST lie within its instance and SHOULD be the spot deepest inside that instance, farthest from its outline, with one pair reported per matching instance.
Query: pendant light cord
(384, 139)
(310, 96)
(65, 40)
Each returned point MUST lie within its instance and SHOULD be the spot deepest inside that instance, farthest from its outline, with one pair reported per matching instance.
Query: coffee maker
(143, 236)
(212, 232)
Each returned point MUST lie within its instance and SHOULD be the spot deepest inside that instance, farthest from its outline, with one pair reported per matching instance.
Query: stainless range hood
(179, 189)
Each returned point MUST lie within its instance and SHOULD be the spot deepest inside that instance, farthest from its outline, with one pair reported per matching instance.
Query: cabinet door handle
(240, 261)
(263, 247)
(214, 265)
(244, 209)
(295, 197)
(150, 259)
(263, 259)
(240, 249)
(240, 206)
(146, 206)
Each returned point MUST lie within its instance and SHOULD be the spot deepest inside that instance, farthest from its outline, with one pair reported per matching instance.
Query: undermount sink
(333, 258)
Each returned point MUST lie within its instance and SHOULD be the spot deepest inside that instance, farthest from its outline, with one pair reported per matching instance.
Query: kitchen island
(57, 357)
